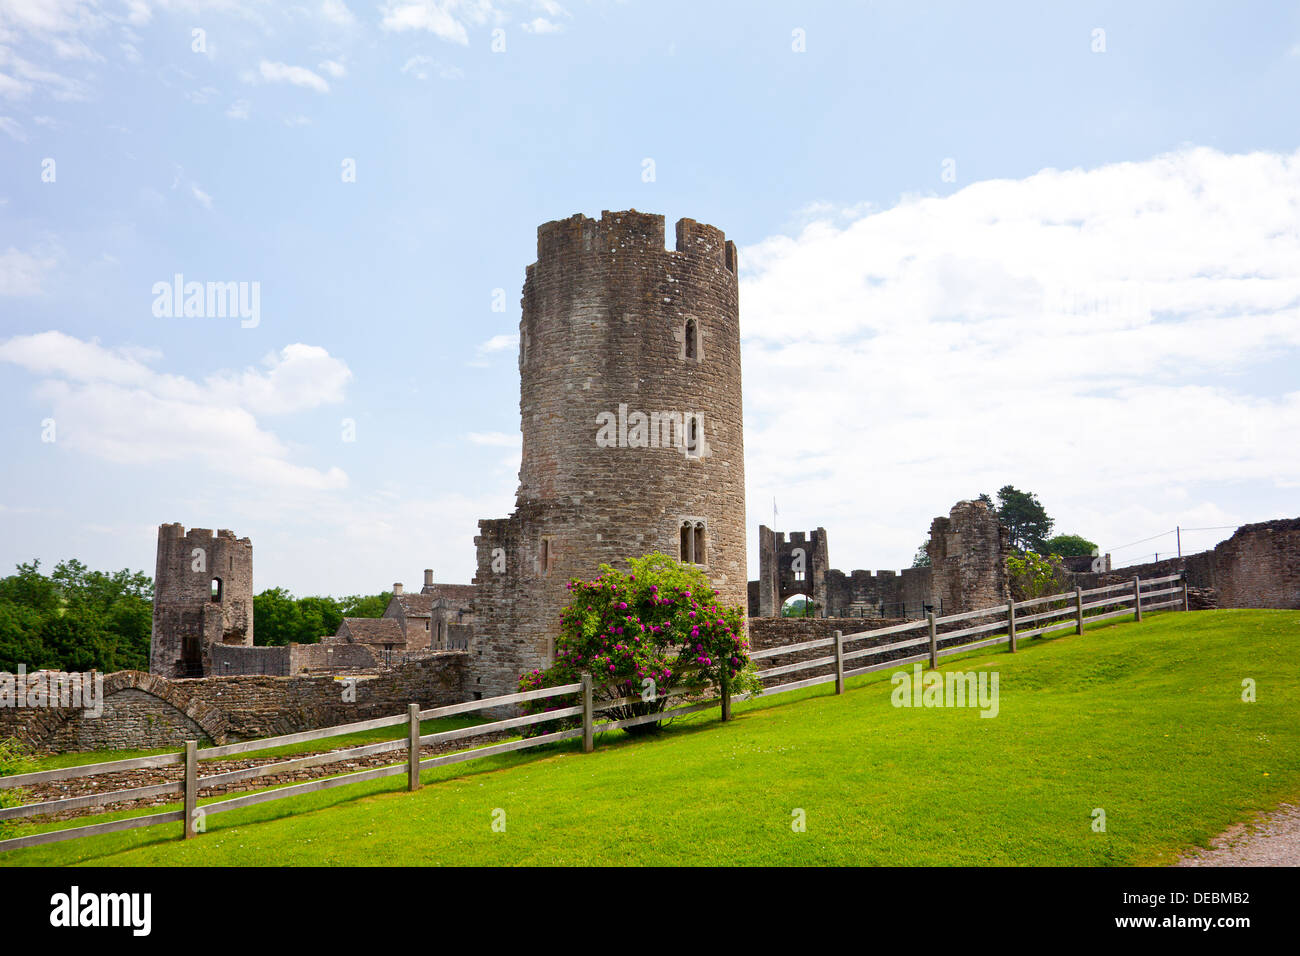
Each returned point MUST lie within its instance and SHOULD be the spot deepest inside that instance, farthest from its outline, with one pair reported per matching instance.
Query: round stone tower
(630, 405)
(202, 595)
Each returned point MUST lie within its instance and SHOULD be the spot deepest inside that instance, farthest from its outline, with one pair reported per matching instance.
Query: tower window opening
(693, 542)
(691, 341)
(215, 589)
(545, 556)
(693, 436)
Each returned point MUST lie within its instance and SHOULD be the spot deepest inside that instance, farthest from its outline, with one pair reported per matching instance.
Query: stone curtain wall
(605, 313)
(1259, 566)
(900, 595)
(229, 661)
(145, 711)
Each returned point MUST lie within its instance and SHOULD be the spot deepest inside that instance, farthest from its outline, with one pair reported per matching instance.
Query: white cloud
(541, 25)
(238, 110)
(111, 404)
(12, 128)
(337, 12)
(333, 68)
(1089, 335)
(499, 343)
(446, 19)
(422, 67)
(21, 272)
(203, 198)
(19, 78)
(296, 75)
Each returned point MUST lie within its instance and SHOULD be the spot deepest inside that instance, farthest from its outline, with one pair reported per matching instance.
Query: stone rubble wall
(144, 711)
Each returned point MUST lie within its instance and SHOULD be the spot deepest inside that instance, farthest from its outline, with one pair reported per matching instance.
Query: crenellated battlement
(629, 233)
(200, 537)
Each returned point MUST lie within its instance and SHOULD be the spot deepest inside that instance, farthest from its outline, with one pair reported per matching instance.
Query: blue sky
(1097, 303)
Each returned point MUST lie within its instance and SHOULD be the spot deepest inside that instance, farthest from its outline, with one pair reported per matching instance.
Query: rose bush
(655, 629)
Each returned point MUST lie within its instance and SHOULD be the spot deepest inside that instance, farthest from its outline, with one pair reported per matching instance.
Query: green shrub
(642, 634)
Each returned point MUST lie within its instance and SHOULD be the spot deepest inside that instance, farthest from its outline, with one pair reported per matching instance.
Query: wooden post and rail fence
(1005, 623)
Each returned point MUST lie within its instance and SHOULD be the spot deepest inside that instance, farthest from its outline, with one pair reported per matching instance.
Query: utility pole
(1178, 530)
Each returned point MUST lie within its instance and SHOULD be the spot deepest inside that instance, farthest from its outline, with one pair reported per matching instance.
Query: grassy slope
(1143, 720)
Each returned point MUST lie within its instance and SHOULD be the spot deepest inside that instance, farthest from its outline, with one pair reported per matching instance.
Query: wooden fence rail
(1134, 597)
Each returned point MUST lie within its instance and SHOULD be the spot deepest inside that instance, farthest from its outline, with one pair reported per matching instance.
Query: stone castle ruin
(967, 550)
(631, 416)
(203, 598)
(630, 406)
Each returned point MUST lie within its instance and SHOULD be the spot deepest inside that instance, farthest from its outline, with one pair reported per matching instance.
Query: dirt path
(1271, 839)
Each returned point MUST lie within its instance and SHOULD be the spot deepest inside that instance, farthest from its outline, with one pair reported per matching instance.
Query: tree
(1033, 576)
(922, 557)
(1025, 517)
(75, 619)
(365, 605)
(276, 618)
(641, 635)
(1070, 545)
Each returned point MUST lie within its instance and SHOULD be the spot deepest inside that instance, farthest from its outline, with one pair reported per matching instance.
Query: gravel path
(121, 780)
(1272, 839)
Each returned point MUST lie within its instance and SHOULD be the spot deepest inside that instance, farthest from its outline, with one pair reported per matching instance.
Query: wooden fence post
(588, 730)
(1187, 605)
(1137, 597)
(413, 747)
(934, 641)
(839, 662)
(191, 785)
(726, 696)
(1078, 610)
(1011, 624)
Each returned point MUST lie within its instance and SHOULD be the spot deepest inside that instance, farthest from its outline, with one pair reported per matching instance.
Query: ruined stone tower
(203, 595)
(630, 405)
(787, 567)
(968, 559)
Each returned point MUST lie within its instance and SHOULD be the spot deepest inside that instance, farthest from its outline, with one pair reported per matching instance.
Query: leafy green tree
(922, 557)
(1025, 517)
(75, 619)
(799, 607)
(277, 619)
(1070, 545)
(364, 605)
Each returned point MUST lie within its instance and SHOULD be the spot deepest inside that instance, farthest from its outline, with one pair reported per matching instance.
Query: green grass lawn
(1144, 721)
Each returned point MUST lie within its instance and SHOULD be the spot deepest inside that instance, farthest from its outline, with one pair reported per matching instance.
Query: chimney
(428, 577)
(397, 587)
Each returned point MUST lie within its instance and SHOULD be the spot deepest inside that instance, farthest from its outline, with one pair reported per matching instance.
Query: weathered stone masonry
(203, 596)
(146, 710)
(615, 325)
(1259, 566)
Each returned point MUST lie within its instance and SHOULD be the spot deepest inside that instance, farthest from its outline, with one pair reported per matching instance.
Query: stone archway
(140, 711)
